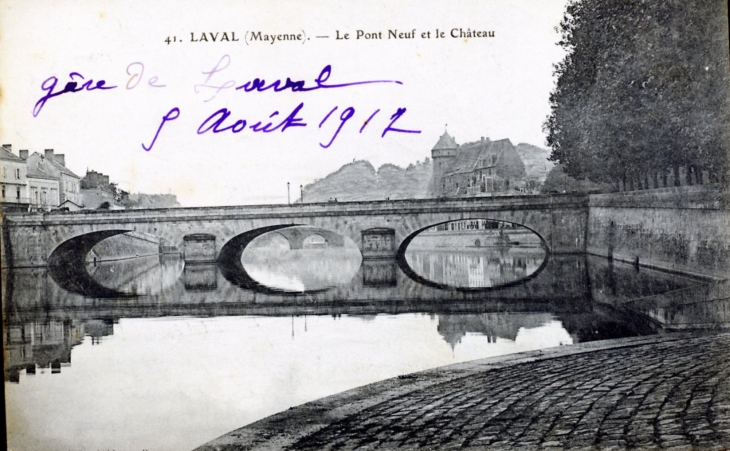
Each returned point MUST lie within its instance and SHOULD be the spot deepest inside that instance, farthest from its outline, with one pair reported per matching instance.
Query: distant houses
(42, 182)
(98, 193)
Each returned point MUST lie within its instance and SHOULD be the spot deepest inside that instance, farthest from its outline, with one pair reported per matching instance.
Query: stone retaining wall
(682, 229)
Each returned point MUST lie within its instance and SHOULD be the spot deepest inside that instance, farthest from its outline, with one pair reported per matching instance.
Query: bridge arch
(299, 234)
(229, 259)
(406, 268)
(71, 243)
(74, 250)
(231, 266)
(67, 265)
(279, 240)
(315, 240)
(404, 244)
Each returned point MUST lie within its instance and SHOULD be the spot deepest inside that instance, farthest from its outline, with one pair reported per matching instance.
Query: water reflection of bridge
(475, 268)
(43, 321)
(167, 287)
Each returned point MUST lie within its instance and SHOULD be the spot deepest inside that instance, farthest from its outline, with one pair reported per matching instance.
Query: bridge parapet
(408, 206)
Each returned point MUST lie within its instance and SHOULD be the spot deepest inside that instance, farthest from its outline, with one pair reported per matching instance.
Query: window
(3, 190)
(17, 174)
(44, 197)
(5, 172)
(17, 193)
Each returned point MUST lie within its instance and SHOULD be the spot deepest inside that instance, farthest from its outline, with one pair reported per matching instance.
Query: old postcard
(254, 224)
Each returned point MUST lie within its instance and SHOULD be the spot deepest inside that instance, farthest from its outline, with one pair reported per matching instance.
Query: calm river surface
(149, 353)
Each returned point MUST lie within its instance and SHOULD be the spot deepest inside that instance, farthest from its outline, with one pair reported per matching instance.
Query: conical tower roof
(445, 142)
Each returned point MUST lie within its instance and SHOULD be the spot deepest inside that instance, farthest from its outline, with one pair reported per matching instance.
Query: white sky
(496, 87)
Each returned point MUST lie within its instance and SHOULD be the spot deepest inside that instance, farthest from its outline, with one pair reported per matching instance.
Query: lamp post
(288, 199)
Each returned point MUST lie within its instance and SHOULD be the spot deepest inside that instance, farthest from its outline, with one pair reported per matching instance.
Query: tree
(558, 181)
(644, 87)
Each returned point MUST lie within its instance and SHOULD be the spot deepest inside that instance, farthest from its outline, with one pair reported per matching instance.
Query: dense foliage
(558, 181)
(643, 89)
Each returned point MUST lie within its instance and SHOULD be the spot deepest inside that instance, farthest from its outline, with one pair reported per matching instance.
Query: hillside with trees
(140, 200)
(536, 160)
(360, 181)
(642, 92)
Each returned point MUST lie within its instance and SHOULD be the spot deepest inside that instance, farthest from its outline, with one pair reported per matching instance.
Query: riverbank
(669, 391)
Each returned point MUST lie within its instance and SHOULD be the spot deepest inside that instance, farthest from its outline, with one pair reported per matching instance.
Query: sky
(496, 87)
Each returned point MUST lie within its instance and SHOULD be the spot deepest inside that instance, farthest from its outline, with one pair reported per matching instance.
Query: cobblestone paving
(673, 395)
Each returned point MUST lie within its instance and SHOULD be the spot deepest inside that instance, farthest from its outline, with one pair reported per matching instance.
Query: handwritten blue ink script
(223, 119)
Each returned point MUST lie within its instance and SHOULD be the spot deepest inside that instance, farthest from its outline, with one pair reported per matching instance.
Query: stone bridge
(297, 236)
(207, 234)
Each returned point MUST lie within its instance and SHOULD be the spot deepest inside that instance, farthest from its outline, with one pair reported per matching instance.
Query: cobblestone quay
(665, 392)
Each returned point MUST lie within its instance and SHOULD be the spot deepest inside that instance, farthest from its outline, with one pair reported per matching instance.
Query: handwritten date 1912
(219, 122)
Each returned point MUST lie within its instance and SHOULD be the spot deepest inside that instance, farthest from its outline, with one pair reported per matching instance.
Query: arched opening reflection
(144, 275)
(115, 264)
(301, 259)
(473, 254)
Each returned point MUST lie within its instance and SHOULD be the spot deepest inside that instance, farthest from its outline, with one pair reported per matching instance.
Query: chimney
(24, 154)
(8, 147)
(482, 139)
(61, 159)
(49, 154)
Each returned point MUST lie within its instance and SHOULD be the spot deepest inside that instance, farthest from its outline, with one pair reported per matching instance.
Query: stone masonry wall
(684, 229)
(126, 245)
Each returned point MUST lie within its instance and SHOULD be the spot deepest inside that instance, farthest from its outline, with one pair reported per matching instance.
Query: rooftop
(5, 154)
(40, 167)
(445, 142)
(470, 153)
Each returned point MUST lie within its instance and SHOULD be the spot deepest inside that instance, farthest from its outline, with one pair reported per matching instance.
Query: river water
(150, 353)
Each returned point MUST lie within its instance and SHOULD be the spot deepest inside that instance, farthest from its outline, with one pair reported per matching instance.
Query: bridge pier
(380, 273)
(378, 243)
(199, 248)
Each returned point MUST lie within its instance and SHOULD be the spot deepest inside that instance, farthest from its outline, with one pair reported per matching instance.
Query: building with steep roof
(53, 166)
(13, 181)
(476, 168)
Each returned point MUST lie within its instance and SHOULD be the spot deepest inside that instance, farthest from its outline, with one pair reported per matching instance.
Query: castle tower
(443, 155)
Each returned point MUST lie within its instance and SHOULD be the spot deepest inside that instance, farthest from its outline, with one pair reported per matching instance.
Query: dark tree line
(642, 92)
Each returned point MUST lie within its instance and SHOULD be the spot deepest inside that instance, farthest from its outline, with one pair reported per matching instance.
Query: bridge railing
(311, 209)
